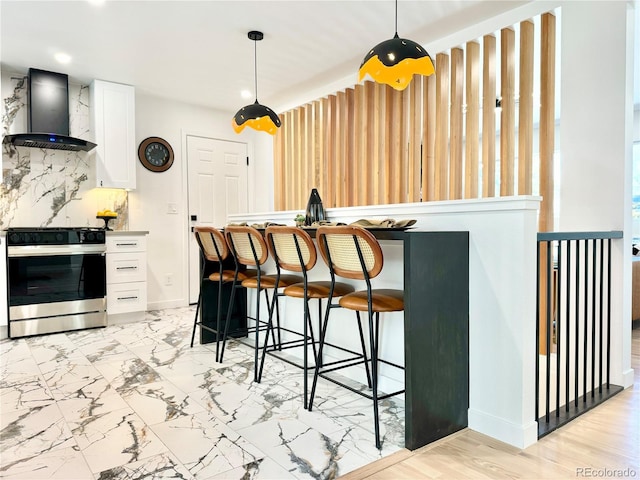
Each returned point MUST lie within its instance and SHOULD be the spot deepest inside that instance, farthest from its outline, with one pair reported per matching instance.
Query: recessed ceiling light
(62, 57)
(245, 94)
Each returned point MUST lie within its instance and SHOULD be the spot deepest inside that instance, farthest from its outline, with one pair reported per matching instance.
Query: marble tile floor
(134, 401)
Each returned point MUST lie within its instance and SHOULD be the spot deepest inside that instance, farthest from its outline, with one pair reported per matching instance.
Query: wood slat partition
(547, 119)
(472, 125)
(489, 117)
(456, 120)
(371, 144)
(403, 144)
(415, 139)
(393, 184)
(320, 164)
(429, 139)
(341, 134)
(349, 160)
(300, 185)
(278, 167)
(525, 120)
(370, 135)
(378, 169)
(359, 119)
(547, 125)
(290, 145)
(331, 120)
(308, 158)
(507, 117)
(441, 170)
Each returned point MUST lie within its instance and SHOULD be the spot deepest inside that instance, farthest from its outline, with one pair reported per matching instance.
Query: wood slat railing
(436, 140)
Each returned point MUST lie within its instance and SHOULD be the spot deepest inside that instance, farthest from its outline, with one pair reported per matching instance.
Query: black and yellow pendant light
(395, 61)
(256, 116)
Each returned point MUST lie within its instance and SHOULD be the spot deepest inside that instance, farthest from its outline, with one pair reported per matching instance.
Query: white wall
(169, 233)
(596, 130)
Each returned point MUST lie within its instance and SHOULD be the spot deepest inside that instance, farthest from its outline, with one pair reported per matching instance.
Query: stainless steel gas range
(56, 280)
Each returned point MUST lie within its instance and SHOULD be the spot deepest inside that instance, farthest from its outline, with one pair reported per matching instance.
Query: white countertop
(127, 232)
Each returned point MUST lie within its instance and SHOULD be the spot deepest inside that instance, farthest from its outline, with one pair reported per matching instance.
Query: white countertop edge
(403, 210)
(127, 232)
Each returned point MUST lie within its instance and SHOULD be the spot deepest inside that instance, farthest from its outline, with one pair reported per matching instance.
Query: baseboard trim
(520, 436)
(166, 304)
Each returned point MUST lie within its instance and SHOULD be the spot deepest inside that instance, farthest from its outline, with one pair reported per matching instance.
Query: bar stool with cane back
(353, 252)
(213, 248)
(248, 248)
(292, 249)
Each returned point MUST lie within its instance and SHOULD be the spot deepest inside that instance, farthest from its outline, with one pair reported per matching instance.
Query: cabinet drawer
(126, 297)
(126, 267)
(123, 243)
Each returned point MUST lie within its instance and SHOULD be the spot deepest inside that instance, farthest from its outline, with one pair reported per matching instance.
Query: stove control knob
(59, 237)
(15, 238)
(100, 237)
(90, 236)
(35, 238)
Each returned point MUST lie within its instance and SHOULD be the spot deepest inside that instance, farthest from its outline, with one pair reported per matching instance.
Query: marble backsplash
(46, 187)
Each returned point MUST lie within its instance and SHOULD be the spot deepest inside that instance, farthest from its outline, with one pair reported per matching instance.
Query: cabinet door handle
(127, 268)
(130, 244)
(127, 298)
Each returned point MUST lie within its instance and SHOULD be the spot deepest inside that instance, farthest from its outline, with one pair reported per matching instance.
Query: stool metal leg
(323, 332)
(218, 315)
(374, 373)
(234, 285)
(195, 320)
(313, 342)
(271, 307)
(305, 360)
(364, 350)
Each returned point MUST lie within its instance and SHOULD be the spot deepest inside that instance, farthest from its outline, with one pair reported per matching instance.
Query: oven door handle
(52, 250)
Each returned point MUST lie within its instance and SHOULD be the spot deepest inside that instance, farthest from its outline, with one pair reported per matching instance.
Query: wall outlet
(168, 279)
(172, 208)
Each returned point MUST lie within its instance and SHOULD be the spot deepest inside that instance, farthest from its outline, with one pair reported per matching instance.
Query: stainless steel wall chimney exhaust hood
(48, 114)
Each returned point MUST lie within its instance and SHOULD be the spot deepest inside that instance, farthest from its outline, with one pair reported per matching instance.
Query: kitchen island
(502, 300)
(433, 341)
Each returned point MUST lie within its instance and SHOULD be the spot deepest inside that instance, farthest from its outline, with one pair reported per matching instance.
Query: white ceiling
(198, 51)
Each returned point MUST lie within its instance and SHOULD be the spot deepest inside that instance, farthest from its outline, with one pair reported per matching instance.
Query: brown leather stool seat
(227, 275)
(383, 300)
(318, 289)
(269, 281)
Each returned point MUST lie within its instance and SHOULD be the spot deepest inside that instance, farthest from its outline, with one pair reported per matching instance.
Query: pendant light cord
(396, 18)
(255, 66)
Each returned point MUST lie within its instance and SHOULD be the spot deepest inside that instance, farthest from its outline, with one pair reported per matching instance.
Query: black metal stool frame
(219, 307)
(372, 377)
(270, 307)
(306, 324)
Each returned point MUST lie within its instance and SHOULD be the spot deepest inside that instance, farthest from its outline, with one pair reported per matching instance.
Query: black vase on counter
(315, 211)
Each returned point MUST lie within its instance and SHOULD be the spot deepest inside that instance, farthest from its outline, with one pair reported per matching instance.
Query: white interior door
(217, 186)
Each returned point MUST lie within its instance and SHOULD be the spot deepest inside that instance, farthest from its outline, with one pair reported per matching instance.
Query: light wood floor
(605, 440)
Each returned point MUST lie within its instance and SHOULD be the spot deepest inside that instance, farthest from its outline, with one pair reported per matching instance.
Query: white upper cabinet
(113, 125)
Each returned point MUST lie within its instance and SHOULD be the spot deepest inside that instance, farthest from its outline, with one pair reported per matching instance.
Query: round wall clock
(155, 154)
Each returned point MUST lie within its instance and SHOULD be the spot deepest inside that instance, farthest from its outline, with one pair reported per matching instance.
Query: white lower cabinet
(126, 273)
(126, 297)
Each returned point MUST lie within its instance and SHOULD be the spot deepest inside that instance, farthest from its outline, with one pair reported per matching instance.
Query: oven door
(55, 288)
